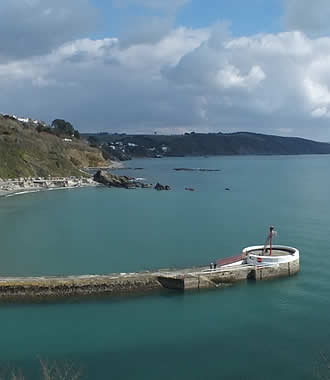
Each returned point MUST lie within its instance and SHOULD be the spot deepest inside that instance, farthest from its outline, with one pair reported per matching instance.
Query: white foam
(22, 192)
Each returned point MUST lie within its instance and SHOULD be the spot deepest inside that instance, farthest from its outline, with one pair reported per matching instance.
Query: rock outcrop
(162, 187)
(113, 180)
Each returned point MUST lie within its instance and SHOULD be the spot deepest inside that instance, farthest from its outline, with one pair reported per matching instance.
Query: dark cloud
(154, 23)
(312, 17)
(146, 30)
(35, 27)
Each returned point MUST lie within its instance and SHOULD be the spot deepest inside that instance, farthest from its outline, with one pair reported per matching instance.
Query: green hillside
(25, 152)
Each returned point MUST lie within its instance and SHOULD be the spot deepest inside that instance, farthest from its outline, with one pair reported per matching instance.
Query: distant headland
(125, 147)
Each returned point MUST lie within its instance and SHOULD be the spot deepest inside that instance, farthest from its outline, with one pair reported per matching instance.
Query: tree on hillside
(64, 128)
(93, 141)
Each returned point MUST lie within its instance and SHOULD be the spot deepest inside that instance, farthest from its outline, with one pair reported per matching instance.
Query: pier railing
(229, 260)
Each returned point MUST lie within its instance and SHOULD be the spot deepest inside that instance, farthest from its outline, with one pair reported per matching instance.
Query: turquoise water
(250, 331)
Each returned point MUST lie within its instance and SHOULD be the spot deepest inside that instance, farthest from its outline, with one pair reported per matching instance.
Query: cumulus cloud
(191, 79)
(312, 17)
(230, 77)
(34, 27)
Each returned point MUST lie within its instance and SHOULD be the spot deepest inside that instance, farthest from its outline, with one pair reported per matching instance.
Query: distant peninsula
(125, 147)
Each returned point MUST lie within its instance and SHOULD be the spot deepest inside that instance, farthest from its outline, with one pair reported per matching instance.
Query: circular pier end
(284, 261)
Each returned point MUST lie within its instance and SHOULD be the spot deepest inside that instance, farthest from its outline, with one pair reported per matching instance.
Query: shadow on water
(89, 299)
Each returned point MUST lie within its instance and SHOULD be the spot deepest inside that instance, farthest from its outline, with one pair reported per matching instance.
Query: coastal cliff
(28, 150)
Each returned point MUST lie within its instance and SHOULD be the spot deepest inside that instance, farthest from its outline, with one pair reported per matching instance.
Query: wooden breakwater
(130, 283)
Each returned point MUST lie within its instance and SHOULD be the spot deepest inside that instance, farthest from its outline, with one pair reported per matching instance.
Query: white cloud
(230, 77)
(320, 112)
(166, 52)
(189, 80)
(317, 93)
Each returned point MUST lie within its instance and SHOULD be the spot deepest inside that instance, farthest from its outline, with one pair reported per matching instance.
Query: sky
(169, 66)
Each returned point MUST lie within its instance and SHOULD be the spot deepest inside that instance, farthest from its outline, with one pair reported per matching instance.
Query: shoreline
(113, 165)
(14, 187)
(19, 186)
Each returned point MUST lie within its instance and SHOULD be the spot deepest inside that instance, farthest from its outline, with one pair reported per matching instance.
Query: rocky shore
(113, 180)
(14, 186)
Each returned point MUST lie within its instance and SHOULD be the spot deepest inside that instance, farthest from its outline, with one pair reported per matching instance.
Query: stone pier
(141, 282)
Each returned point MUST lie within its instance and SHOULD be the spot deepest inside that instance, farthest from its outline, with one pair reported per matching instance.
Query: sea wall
(214, 279)
(281, 270)
(129, 283)
(77, 285)
(223, 277)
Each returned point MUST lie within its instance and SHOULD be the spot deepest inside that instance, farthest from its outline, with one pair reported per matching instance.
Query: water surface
(251, 331)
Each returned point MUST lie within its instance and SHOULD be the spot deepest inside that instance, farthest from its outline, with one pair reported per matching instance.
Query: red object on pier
(229, 260)
(271, 239)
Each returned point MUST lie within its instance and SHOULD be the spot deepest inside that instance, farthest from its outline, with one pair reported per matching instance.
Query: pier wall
(281, 270)
(125, 283)
(80, 285)
(222, 278)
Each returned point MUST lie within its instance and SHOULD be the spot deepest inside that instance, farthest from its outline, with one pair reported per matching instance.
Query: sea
(278, 329)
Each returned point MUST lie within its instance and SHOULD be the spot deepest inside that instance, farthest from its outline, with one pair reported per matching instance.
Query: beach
(23, 185)
(17, 186)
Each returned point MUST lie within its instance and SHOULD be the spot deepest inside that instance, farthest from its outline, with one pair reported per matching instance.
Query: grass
(24, 152)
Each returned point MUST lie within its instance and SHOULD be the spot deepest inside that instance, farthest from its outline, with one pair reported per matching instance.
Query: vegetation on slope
(123, 146)
(60, 128)
(28, 151)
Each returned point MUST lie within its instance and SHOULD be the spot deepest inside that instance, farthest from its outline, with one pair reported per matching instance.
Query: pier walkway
(139, 282)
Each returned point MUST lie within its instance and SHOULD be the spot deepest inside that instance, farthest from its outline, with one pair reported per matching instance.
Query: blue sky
(170, 66)
(246, 17)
